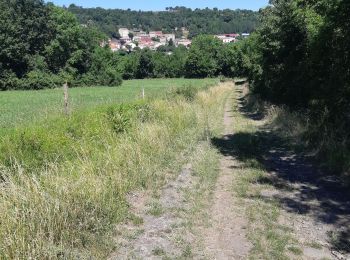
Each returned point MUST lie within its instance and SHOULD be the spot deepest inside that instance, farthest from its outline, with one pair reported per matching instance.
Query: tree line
(42, 45)
(300, 57)
(198, 21)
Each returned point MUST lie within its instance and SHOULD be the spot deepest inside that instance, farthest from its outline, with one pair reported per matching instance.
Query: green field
(21, 107)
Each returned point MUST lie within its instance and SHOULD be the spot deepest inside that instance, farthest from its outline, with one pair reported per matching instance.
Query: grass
(158, 251)
(19, 107)
(270, 240)
(64, 179)
(155, 209)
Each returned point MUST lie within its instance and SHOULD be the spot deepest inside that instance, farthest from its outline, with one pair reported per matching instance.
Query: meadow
(21, 107)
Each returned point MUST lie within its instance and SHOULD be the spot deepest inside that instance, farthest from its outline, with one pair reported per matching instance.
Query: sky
(158, 5)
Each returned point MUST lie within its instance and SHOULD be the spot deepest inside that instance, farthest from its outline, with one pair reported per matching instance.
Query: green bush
(188, 92)
(120, 117)
(9, 80)
(40, 80)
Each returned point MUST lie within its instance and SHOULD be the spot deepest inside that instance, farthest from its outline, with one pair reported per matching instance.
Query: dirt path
(308, 209)
(226, 238)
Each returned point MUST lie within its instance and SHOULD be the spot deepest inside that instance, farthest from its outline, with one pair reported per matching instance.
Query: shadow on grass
(305, 188)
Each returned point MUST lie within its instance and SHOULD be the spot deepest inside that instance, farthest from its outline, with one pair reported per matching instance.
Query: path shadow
(247, 109)
(306, 189)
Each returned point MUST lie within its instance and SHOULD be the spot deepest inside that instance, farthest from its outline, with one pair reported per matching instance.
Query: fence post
(143, 93)
(66, 97)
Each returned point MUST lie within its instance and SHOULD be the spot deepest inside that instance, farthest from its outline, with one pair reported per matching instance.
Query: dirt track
(313, 206)
(226, 236)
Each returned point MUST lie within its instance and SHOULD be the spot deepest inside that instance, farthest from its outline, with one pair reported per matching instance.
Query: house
(147, 44)
(145, 39)
(124, 33)
(163, 40)
(184, 42)
(125, 40)
(169, 36)
(156, 34)
(233, 35)
(140, 36)
(245, 35)
(227, 38)
(139, 33)
(114, 44)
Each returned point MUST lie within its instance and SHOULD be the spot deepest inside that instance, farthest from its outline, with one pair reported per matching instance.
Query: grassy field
(19, 107)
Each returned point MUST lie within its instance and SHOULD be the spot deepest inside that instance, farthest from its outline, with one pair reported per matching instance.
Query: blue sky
(157, 5)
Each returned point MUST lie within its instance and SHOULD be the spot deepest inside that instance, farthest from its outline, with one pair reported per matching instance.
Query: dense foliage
(198, 21)
(42, 45)
(300, 57)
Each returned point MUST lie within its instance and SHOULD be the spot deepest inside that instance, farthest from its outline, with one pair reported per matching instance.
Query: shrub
(188, 92)
(9, 80)
(40, 80)
(120, 117)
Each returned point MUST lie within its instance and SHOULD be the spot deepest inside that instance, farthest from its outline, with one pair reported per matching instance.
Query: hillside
(208, 21)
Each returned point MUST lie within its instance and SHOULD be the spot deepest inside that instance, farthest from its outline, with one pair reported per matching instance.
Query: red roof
(230, 35)
(145, 39)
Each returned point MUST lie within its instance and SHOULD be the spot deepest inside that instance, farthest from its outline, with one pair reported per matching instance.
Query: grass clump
(158, 251)
(155, 209)
(188, 92)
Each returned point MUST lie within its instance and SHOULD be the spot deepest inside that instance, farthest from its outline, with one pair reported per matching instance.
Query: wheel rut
(226, 236)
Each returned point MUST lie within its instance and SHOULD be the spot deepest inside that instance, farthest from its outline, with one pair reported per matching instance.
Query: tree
(146, 65)
(19, 18)
(171, 42)
(202, 60)
(55, 47)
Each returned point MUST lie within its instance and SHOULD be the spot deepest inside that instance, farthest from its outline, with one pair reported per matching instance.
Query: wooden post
(143, 93)
(65, 91)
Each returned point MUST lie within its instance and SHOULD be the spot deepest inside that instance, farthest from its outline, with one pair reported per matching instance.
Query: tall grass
(64, 181)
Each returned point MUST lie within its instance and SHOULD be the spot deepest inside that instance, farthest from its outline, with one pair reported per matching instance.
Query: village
(130, 40)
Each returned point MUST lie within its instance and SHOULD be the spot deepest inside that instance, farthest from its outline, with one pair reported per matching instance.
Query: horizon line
(155, 10)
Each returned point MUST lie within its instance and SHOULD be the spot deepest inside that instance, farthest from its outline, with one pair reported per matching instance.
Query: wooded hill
(198, 21)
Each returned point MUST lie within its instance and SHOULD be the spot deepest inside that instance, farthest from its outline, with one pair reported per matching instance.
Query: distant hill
(210, 21)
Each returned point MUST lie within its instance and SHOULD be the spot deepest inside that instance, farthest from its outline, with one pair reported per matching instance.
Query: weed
(295, 250)
(187, 252)
(158, 251)
(155, 209)
(136, 220)
(314, 244)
